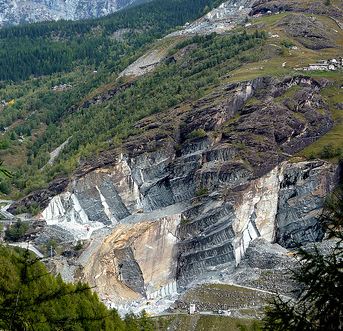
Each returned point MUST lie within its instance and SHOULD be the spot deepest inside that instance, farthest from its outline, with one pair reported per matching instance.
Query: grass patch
(205, 323)
(223, 296)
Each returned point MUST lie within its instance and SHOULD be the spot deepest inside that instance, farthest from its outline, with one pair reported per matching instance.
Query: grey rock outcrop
(308, 31)
(184, 206)
(18, 12)
(302, 193)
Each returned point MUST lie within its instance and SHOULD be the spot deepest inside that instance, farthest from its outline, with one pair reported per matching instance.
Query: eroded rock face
(302, 192)
(211, 233)
(183, 206)
(136, 260)
(219, 232)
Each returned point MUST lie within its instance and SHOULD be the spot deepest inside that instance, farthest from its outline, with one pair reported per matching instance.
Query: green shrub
(201, 191)
(287, 43)
(79, 245)
(16, 231)
(199, 133)
(5, 187)
(329, 152)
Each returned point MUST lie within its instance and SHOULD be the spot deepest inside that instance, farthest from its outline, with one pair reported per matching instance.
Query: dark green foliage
(79, 245)
(329, 152)
(16, 231)
(255, 326)
(200, 133)
(138, 323)
(5, 187)
(45, 48)
(287, 43)
(319, 306)
(4, 144)
(4, 172)
(202, 191)
(32, 299)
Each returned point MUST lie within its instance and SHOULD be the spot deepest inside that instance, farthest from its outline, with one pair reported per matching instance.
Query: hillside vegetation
(84, 105)
(32, 299)
(47, 48)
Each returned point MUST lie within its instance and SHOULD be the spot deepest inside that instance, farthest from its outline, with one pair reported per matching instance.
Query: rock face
(308, 31)
(302, 191)
(18, 12)
(311, 7)
(184, 199)
(135, 260)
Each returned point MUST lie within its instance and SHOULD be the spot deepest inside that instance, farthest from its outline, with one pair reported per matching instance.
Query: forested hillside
(46, 48)
(80, 56)
(33, 299)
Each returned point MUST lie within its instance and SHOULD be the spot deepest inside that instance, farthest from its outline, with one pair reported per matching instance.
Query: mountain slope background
(22, 12)
(207, 161)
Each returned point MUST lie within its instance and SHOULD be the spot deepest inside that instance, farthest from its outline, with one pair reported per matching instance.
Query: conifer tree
(319, 306)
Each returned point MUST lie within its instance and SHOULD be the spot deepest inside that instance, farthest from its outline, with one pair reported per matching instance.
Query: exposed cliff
(186, 203)
(153, 254)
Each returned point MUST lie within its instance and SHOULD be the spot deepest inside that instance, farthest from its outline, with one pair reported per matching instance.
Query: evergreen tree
(319, 306)
(33, 299)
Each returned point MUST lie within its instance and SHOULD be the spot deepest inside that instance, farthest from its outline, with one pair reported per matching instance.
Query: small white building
(326, 65)
(191, 309)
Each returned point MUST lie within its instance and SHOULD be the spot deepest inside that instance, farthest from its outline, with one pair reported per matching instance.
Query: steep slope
(178, 170)
(18, 12)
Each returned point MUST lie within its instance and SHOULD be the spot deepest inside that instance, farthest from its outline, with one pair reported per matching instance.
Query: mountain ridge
(16, 12)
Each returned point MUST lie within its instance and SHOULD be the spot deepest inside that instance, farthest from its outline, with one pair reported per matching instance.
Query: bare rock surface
(18, 12)
(308, 31)
(176, 210)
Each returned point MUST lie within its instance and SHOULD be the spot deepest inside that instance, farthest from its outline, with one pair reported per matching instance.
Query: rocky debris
(309, 31)
(263, 255)
(61, 87)
(18, 12)
(265, 266)
(269, 266)
(219, 20)
(54, 233)
(56, 152)
(144, 64)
